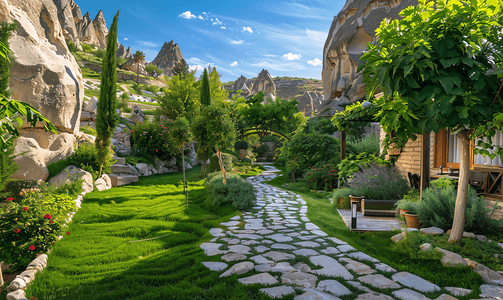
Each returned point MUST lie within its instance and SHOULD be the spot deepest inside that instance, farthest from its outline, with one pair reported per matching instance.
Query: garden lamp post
(353, 214)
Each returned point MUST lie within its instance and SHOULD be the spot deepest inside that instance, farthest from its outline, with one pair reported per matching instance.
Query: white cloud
(125, 39)
(248, 28)
(269, 55)
(223, 27)
(195, 67)
(217, 22)
(187, 15)
(200, 17)
(291, 56)
(235, 63)
(279, 66)
(148, 44)
(315, 62)
(233, 42)
(204, 13)
(195, 61)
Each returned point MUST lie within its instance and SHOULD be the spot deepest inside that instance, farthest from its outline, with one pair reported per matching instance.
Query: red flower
(302, 174)
(307, 186)
(31, 247)
(16, 230)
(9, 199)
(308, 173)
(51, 221)
(68, 233)
(48, 216)
(25, 208)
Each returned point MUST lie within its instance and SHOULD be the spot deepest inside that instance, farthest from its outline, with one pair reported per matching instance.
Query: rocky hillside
(287, 88)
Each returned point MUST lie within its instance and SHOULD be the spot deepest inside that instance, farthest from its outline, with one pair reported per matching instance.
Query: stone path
(276, 245)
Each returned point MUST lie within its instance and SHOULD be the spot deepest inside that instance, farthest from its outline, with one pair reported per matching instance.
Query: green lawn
(379, 245)
(98, 260)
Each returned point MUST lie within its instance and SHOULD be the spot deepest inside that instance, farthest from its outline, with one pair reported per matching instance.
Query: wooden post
(343, 144)
(425, 164)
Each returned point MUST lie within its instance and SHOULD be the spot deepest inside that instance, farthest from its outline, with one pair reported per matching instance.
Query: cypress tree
(5, 33)
(107, 119)
(205, 89)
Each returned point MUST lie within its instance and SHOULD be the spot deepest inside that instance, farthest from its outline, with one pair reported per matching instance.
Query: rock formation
(167, 58)
(67, 19)
(310, 103)
(130, 65)
(122, 52)
(351, 30)
(265, 84)
(242, 81)
(45, 75)
(100, 29)
(85, 28)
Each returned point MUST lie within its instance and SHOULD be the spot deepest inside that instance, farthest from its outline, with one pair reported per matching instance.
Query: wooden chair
(414, 180)
(478, 180)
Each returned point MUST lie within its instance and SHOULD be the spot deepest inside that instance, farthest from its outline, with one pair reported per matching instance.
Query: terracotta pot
(242, 153)
(358, 201)
(412, 221)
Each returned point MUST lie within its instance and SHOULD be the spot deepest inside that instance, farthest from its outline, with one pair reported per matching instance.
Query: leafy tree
(436, 68)
(217, 93)
(107, 118)
(181, 135)
(181, 99)
(205, 90)
(181, 68)
(138, 57)
(153, 70)
(281, 116)
(213, 130)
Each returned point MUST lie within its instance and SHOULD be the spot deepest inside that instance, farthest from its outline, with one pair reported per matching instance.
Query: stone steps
(122, 173)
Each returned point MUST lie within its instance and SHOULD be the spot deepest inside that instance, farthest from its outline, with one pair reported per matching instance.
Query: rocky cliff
(100, 29)
(351, 30)
(167, 58)
(44, 74)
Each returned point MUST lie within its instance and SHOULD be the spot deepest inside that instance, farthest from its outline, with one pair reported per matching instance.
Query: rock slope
(167, 57)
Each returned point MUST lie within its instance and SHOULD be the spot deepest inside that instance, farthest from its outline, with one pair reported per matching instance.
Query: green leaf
(467, 61)
(407, 69)
(447, 84)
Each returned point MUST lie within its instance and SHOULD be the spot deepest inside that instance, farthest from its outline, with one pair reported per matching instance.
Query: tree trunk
(138, 75)
(458, 225)
(183, 169)
(219, 154)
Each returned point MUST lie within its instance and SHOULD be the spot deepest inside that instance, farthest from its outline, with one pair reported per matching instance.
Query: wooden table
(494, 180)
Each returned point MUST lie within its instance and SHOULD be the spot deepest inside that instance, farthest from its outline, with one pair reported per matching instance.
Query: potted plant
(409, 208)
(394, 145)
(242, 147)
(341, 196)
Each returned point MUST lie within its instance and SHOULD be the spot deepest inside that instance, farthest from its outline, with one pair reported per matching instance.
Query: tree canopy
(182, 98)
(437, 69)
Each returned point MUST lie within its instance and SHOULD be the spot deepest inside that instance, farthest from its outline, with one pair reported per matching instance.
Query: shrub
(356, 163)
(56, 167)
(260, 150)
(443, 182)
(437, 209)
(228, 161)
(342, 193)
(17, 188)
(151, 140)
(26, 230)
(88, 130)
(379, 182)
(237, 192)
(306, 150)
(87, 48)
(241, 145)
(100, 53)
(368, 144)
(7, 166)
(72, 47)
(324, 177)
(85, 157)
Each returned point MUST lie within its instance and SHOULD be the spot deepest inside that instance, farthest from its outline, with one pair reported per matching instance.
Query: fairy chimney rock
(349, 34)
(167, 58)
(265, 84)
(100, 29)
(240, 82)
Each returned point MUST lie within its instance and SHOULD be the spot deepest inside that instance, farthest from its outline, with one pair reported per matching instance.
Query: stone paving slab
(262, 278)
(334, 287)
(299, 279)
(379, 281)
(278, 291)
(215, 266)
(407, 294)
(330, 267)
(316, 295)
(415, 282)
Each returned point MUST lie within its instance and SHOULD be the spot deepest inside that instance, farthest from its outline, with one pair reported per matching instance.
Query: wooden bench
(378, 212)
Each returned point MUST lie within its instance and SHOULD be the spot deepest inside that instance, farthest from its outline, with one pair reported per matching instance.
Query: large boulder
(351, 30)
(36, 149)
(265, 84)
(44, 72)
(137, 115)
(167, 58)
(72, 173)
(130, 65)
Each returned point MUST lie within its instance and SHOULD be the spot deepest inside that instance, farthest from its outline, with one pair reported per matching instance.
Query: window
(447, 151)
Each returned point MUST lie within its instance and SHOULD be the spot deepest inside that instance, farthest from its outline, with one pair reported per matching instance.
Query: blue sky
(238, 37)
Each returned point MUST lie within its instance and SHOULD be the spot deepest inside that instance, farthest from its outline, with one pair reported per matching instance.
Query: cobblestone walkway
(279, 248)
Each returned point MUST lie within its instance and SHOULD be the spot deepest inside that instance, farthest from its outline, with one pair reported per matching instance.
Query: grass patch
(379, 244)
(56, 167)
(88, 73)
(97, 261)
(91, 93)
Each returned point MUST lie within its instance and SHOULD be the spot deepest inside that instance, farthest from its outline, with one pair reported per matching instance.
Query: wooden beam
(425, 163)
(343, 144)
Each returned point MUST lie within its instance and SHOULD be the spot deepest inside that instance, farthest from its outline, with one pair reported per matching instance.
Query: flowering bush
(151, 141)
(25, 230)
(324, 177)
